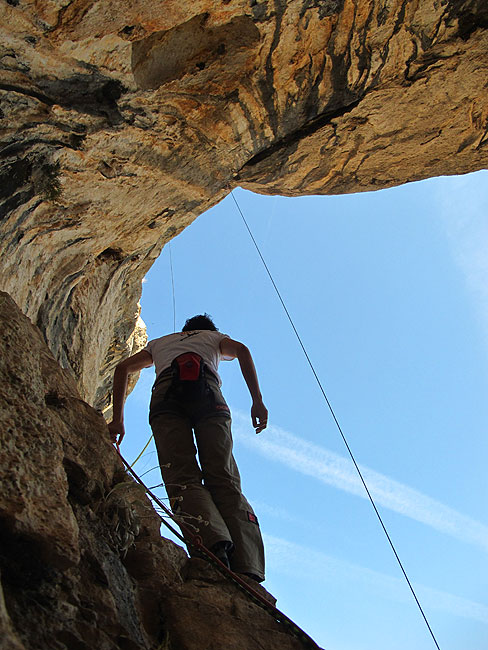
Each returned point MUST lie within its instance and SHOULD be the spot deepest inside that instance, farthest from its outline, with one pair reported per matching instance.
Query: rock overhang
(125, 121)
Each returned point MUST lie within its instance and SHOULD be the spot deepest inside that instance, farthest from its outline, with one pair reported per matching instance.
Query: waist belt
(189, 392)
(171, 371)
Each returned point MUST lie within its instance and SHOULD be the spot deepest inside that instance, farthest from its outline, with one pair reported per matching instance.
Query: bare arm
(233, 349)
(132, 364)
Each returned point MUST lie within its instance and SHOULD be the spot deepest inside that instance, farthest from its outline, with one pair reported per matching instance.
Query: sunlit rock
(123, 121)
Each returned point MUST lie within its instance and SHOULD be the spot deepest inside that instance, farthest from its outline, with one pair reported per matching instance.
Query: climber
(187, 404)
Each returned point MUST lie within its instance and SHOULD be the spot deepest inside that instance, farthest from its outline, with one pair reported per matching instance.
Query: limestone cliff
(82, 562)
(122, 121)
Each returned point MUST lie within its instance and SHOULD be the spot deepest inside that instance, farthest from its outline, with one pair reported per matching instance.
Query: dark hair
(200, 322)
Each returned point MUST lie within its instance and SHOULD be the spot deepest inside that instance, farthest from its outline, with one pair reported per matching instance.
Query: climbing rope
(144, 449)
(194, 541)
(337, 423)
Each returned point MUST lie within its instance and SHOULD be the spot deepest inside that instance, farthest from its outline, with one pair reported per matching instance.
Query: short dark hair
(200, 322)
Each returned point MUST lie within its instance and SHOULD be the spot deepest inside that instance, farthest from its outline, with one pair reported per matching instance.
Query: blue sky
(389, 291)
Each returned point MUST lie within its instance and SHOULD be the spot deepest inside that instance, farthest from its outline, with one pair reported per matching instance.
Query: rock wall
(82, 562)
(122, 121)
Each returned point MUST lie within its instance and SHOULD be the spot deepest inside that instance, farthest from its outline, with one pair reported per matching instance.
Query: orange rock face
(123, 121)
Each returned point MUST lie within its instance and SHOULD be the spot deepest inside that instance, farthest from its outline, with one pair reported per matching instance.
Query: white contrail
(337, 471)
(298, 561)
(467, 230)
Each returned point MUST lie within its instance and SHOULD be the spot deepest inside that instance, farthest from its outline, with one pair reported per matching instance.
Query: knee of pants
(177, 482)
(224, 477)
(231, 501)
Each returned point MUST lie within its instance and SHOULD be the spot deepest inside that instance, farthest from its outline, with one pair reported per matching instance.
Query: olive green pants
(206, 496)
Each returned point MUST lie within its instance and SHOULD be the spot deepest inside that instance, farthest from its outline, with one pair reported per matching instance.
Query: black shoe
(223, 550)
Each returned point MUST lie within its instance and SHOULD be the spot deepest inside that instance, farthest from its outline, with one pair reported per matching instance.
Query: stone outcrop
(122, 121)
(82, 562)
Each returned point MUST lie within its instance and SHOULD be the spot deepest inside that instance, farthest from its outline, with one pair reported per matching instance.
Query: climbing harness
(194, 541)
(336, 421)
(187, 388)
(189, 375)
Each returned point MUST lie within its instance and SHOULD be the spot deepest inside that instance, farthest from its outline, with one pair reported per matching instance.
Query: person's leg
(182, 477)
(221, 478)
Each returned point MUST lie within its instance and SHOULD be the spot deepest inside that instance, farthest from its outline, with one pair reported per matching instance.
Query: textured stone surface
(82, 562)
(206, 612)
(122, 121)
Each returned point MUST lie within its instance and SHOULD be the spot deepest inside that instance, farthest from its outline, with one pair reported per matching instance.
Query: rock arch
(122, 122)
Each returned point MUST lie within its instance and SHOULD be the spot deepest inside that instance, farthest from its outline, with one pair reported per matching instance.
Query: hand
(116, 429)
(259, 415)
